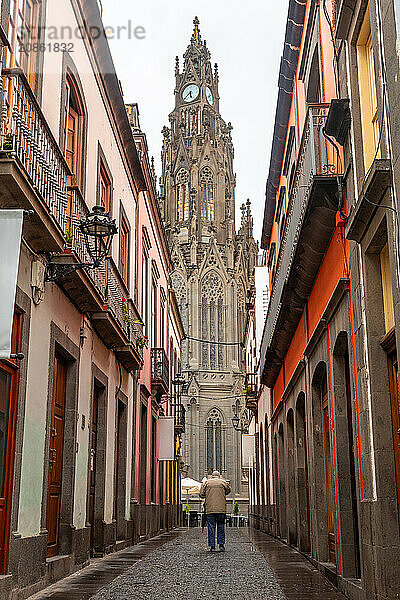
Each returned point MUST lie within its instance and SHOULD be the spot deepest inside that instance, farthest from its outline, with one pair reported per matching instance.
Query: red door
(9, 375)
(56, 455)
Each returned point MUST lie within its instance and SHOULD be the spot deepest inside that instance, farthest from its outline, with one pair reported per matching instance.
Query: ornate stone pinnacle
(196, 37)
(177, 65)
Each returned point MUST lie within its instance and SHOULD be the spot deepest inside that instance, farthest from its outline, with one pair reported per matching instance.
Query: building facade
(326, 452)
(212, 265)
(79, 412)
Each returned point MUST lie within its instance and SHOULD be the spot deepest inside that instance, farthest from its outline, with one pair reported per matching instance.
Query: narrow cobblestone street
(178, 565)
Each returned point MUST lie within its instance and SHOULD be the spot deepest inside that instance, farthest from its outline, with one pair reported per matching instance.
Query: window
(162, 319)
(288, 155)
(145, 290)
(104, 187)
(73, 130)
(182, 187)
(368, 98)
(124, 247)
(23, 31)
(207, 194)
(154, 319)
(214, 441)
(387, 289)
(212, 321)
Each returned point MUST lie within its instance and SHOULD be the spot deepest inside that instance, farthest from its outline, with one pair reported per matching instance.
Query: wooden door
(56, 455)
(92, 463)
(9, 376)
(328, 474)
(395, 402)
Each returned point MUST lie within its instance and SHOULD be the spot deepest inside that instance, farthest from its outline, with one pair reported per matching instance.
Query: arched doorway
(292, 503)
(303, 491)
(325, 521)
(346, 460)
(282, 486)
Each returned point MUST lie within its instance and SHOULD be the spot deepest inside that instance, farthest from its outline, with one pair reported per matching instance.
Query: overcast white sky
(245, 39)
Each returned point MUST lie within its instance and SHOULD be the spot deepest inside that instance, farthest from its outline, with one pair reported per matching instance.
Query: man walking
(215, 491)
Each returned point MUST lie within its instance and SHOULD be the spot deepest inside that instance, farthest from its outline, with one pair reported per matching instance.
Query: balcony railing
(106, 278)
(316, 158)
(251, 385)
(159, 369)
(26, 136)
(177, 410)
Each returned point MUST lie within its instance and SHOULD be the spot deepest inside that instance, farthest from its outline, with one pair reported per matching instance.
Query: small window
(154, 317)
(23, 32)
(387, 292)
(124, 248)
(207, 194)
(145, 290)
(105, 188)
(73, 130)
(368, 97)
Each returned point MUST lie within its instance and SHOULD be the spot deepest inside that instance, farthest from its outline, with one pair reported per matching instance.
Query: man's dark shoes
(212, 548)
(221, 548)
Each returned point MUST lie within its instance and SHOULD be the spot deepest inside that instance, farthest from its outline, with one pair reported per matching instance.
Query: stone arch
(212, 320)
(182, 195)
(346, 459)
(282, 486)
(322, 483)
(215, 440)
(291, 479)
(303, 492)
(179, 285)
(207, 194)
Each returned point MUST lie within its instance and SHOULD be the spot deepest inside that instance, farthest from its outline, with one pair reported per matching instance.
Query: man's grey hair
(216, 474)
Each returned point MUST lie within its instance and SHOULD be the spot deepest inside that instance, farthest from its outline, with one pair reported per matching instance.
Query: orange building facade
(326, 476)
(314, 489)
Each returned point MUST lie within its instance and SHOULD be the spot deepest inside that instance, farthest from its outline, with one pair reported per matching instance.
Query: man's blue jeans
(216, 519)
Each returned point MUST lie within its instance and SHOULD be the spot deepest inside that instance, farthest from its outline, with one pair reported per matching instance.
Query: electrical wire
(214, 342)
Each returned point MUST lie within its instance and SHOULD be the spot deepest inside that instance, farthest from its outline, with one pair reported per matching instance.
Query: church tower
(213, 265)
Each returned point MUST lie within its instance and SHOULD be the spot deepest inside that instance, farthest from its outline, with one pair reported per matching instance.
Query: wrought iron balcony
(159, 370)
(310, 223)
(177, 410)
(251, 390)
(33, 170)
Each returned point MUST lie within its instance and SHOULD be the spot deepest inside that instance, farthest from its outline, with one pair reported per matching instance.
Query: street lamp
(98, 230)
(238, 425)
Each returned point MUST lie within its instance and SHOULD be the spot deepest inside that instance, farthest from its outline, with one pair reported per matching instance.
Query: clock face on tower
(209, 96)
(190, 92)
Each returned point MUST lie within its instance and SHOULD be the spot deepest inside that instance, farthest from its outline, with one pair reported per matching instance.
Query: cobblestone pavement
(185, 569)
(178, 565)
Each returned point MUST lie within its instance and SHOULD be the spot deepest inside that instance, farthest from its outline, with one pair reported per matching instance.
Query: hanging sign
(166, 438)
(10, 244)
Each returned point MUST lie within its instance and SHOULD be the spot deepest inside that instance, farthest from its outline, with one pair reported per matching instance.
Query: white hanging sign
(248, 450)
(166, 438)
(10, 244)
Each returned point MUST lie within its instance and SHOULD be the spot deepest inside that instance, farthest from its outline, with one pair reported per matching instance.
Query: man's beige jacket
(215, 491)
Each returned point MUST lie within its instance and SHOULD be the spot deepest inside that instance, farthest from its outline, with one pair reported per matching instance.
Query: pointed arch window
(215, 441)
(182, 191)
(207, 194)
(212, 322)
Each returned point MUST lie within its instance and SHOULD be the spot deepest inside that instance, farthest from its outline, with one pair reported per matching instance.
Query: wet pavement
(178, 565)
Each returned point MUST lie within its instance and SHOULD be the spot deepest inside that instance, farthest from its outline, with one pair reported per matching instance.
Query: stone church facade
(213, 265)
